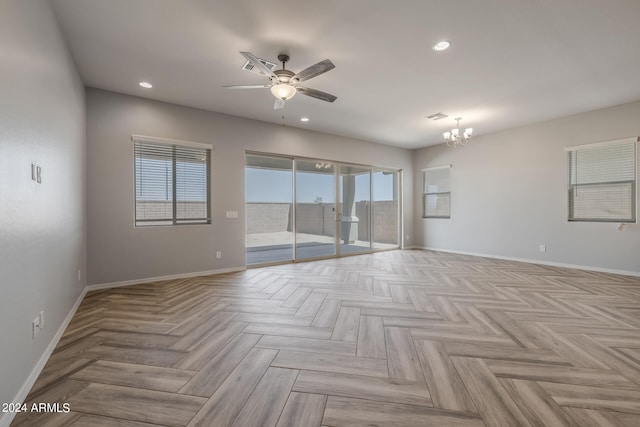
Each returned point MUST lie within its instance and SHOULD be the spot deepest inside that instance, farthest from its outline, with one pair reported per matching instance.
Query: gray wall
(42, 226)
(117, 251)
(509, 194)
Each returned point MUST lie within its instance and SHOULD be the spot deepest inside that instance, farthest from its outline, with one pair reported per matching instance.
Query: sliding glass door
(302, 209)
(315, 209)
(269, 198)
(385, 209)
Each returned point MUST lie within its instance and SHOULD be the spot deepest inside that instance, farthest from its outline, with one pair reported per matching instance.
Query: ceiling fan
(284, 83)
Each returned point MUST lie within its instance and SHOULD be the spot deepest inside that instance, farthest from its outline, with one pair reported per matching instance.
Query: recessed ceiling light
(146, 85)
(304, 119)
(441, 45)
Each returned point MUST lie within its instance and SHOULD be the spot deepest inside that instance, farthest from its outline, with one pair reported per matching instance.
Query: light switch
(232, 214)
(36, 173)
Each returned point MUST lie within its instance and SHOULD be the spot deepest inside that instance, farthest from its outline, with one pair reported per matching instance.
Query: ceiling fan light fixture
(283, 91)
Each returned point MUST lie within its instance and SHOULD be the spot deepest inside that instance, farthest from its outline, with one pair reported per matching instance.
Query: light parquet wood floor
(402, 338)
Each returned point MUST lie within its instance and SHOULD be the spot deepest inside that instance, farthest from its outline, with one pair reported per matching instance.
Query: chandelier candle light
(453, 138)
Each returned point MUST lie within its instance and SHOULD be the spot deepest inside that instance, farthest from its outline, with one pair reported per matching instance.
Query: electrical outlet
(543, 248)
(35, 326)
(218, 254)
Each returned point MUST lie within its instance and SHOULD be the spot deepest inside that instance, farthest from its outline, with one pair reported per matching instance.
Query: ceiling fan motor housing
(284, 76)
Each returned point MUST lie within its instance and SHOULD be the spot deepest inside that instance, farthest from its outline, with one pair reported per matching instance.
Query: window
(602, 181)
(172, 182)
(437, 193)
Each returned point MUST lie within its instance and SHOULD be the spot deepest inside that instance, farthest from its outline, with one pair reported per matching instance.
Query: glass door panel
(269, 209)
(315, 190)
(354, 219)
(385, 209)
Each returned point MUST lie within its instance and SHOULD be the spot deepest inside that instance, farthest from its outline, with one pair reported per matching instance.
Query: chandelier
(454, 138)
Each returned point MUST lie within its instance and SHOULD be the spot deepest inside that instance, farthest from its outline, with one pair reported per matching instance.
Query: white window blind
(172, 182)
(602, 181)
(437, 192)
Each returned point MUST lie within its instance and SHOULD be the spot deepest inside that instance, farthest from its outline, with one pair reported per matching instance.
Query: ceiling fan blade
(314, 70)
(316, 94)
(247, 87)
(256, 63)
(279, 104)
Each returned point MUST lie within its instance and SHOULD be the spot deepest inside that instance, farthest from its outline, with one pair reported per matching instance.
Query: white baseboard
(160, 278)
(534, 261)
(37, 370)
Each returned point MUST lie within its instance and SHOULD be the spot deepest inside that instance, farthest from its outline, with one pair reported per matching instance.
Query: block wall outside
(316, 218)
(158, 209)
(319, 219)
(268, 217)
(385, 221)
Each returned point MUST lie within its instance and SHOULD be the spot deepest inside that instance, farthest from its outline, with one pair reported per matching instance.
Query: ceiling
(510, 62)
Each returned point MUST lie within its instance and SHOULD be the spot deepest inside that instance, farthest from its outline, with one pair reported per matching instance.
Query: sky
(275, 186)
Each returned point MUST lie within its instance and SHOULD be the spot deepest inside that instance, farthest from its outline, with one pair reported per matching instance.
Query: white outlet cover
(232, 214)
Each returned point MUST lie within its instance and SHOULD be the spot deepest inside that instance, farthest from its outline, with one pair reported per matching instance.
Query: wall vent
(249, 66)
(437, 116)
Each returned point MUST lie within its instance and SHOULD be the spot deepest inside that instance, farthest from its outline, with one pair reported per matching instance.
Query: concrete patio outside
(278, 246)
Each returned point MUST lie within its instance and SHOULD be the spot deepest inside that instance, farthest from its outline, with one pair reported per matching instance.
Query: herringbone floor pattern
(402, 338)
